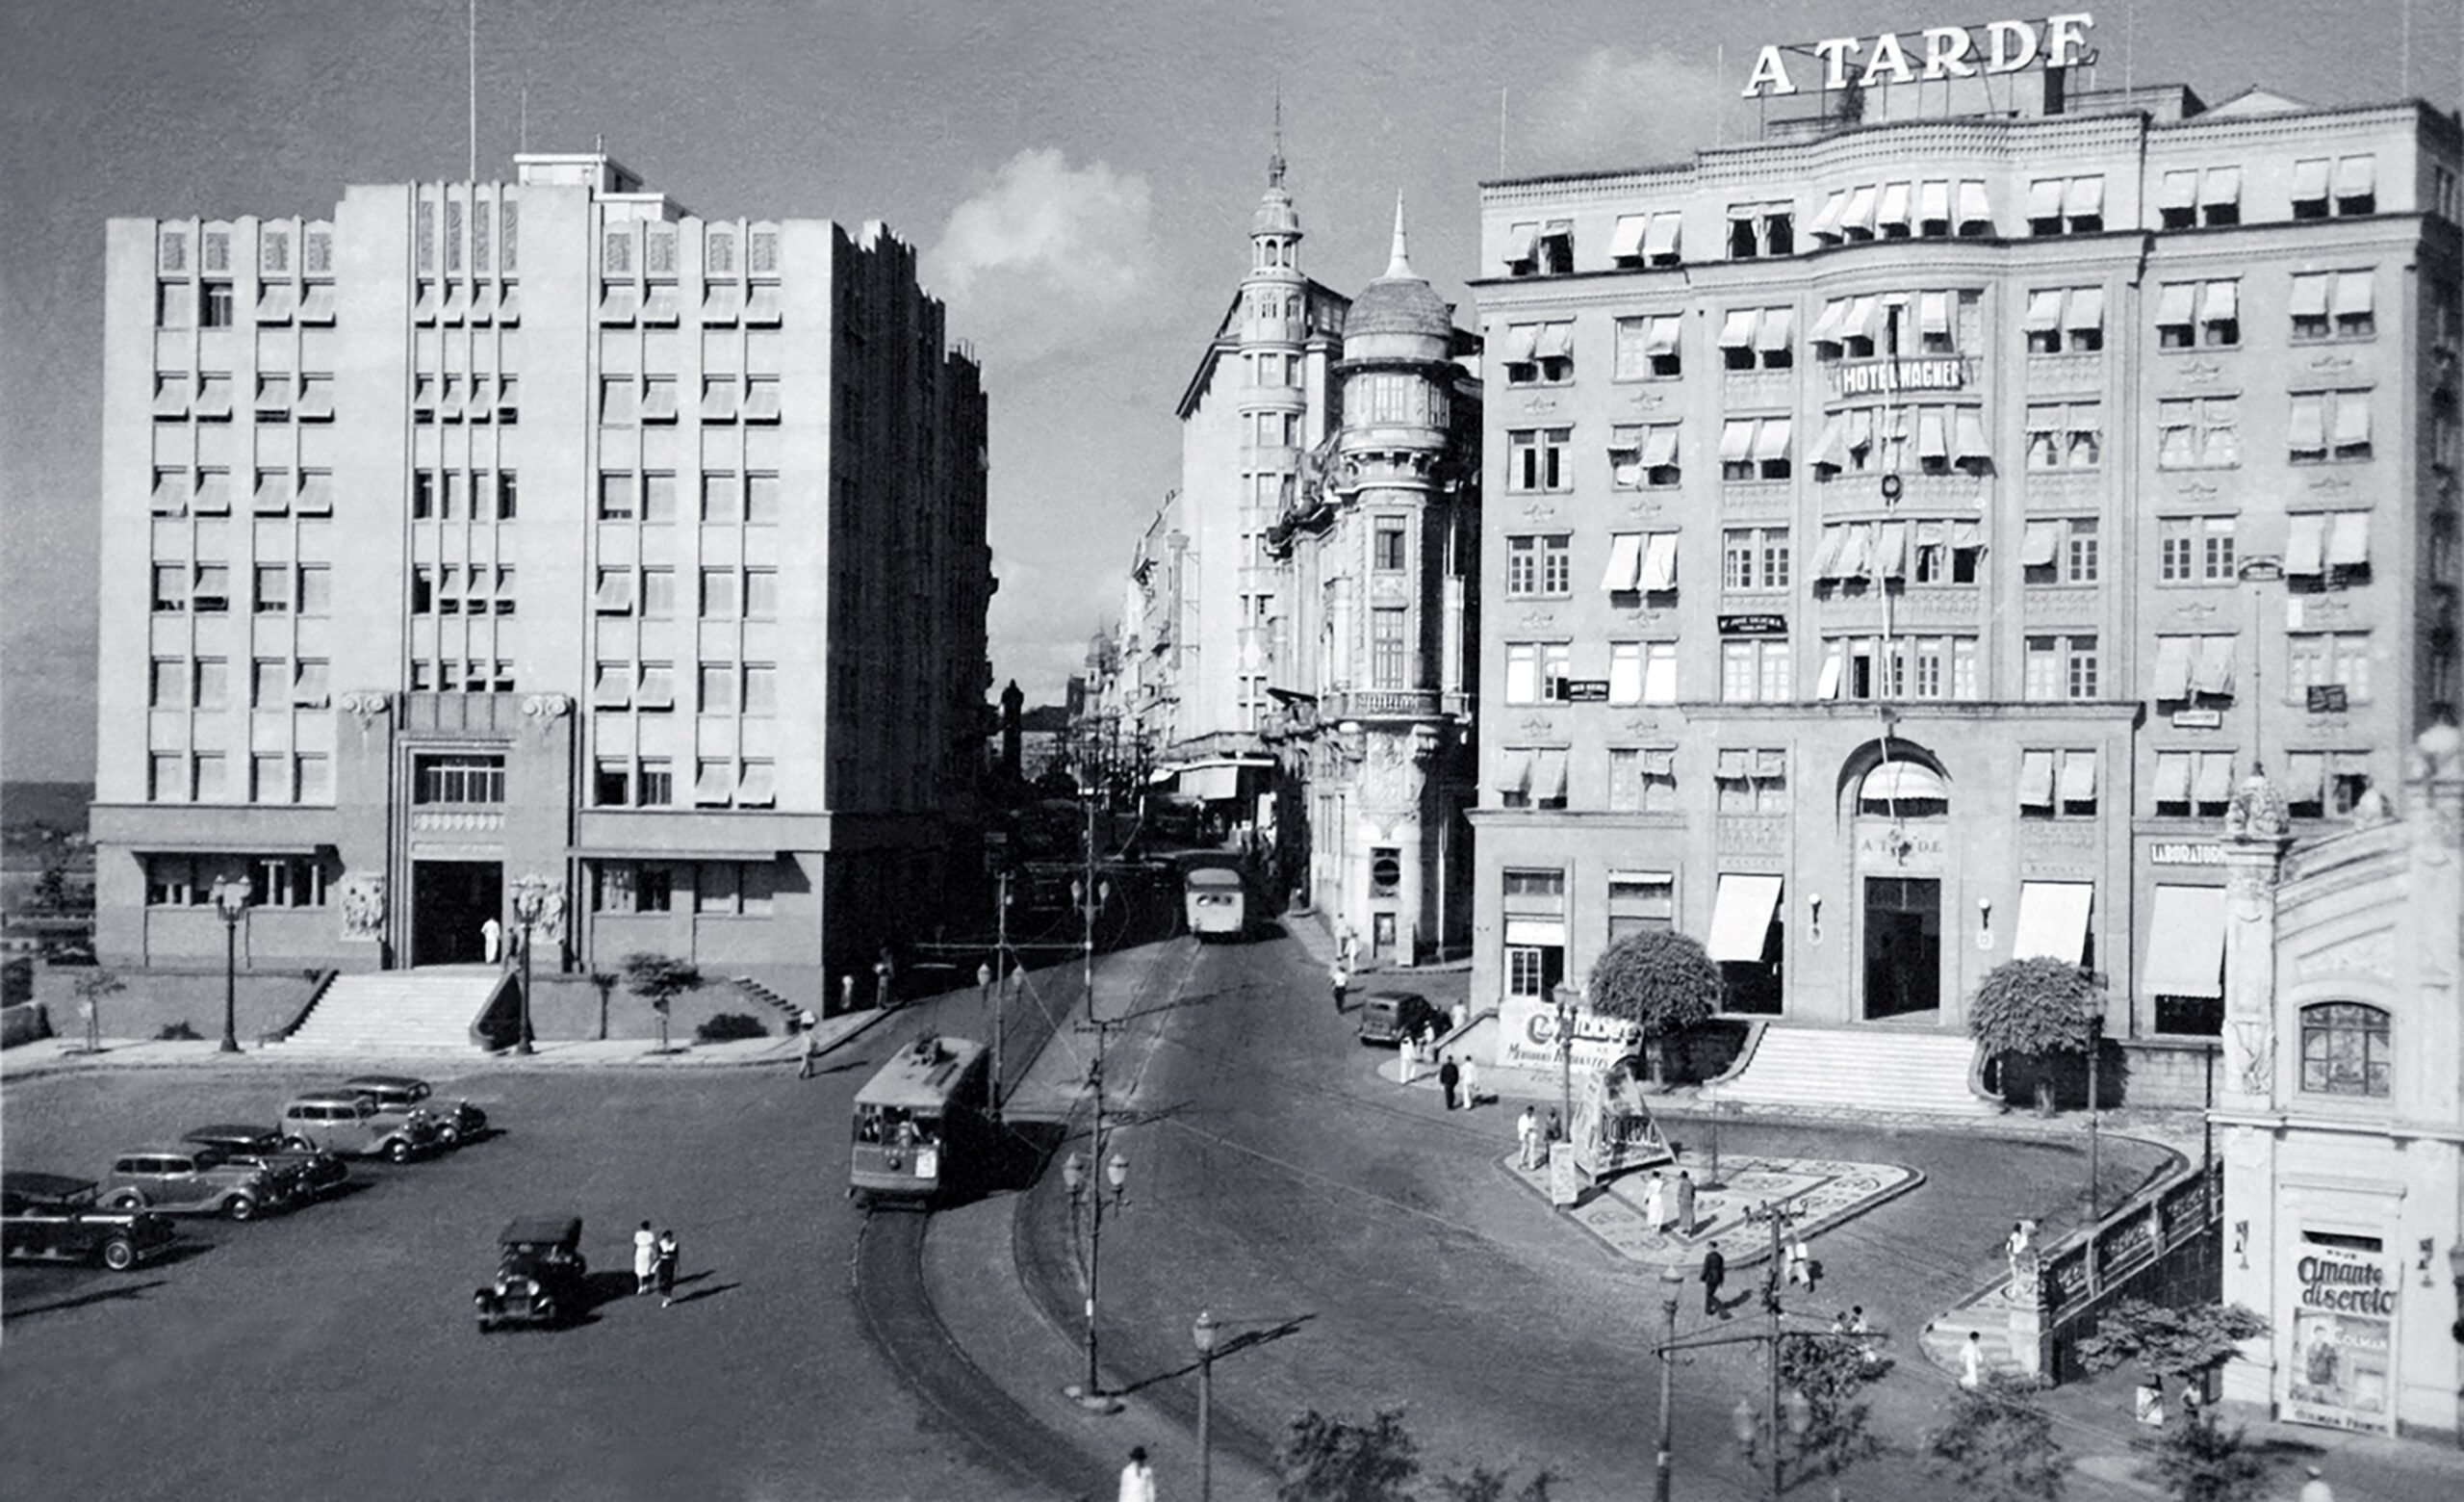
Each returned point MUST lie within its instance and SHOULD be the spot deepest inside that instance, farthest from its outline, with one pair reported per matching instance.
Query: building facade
(2340, 1106)
(1293, 641)
(540, 528)
(1905, 534)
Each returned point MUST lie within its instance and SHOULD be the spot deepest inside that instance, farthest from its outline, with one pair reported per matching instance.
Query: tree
(1660, 981)
(658, 979)
(605, 981)
(1997, 1446)
(91, 991)
(2176, 1343)
(2200, 1460)
(2037, 1007)
(51, 889)
(1832, 1372)
(1334, 1460)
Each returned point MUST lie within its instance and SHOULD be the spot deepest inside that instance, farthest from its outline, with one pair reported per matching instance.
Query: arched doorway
(1898, 802)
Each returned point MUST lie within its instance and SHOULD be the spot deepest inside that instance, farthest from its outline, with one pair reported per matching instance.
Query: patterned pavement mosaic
(1815, 1193)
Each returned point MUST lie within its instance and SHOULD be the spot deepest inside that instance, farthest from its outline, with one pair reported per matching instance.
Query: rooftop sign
(1940, 52)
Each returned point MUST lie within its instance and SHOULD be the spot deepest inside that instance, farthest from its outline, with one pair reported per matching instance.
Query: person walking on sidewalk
(1449, 1075)
(666, 1268)
(1471, 1082)
(1407, 1059)
(1655, 1203)
(1972, 1363)
(1340, 980)
(1715, 1272)
(1685, 1201)
(1527, 1135)
(645, 1257)
(811, 1055)
(1138, 1478)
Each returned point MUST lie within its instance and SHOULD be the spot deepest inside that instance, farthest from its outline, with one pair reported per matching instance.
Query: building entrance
(1903, 945)
(449, 901)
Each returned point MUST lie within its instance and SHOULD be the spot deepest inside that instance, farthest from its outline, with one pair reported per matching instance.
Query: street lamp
(530, 902)
(1084, 1192)
(1567, 1010)
(1202, 1335)
(1087, 907)
(1672, 1283)
(231, 898)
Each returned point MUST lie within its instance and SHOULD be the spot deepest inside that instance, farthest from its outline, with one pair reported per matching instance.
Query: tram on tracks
(923, 1123)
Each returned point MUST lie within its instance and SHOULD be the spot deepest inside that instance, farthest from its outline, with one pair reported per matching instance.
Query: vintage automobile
(455, 1123)
(185, 1179)
(351, 1124)
(298, 1173)
(58, 1218)
(1391, 1015)
(541, 1274)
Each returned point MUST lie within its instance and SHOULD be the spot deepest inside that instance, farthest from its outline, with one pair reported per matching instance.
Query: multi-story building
(489, 531)
(1904, 532)
(1300, 603)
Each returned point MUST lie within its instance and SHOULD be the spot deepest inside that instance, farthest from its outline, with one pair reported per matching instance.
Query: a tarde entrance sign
(1938, 52)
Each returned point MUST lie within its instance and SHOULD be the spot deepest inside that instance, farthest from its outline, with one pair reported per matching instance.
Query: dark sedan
(58, 1218)
(542, 1276)
(297, 1173)
(455, 1123)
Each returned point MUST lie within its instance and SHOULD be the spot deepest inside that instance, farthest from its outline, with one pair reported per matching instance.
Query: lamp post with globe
(231, 900)
(1202, 1335)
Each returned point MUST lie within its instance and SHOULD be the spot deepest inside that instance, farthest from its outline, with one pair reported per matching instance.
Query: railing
(2095, 1264)
(1384, 703)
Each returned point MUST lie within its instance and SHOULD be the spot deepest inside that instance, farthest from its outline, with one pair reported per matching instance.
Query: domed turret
(1400, 302)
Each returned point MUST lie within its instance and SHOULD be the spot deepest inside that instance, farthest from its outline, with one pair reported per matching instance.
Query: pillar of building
(2257, 833)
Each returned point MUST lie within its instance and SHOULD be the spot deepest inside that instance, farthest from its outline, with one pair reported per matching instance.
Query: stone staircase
(397, 1011)
(783, 1011)
(1989, 1316)
(1856, 1069)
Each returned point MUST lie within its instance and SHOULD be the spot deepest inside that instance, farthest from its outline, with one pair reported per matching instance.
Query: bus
(922, 1122)
(1215, 901)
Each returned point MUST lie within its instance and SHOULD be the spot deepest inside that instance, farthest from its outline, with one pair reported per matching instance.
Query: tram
(922, 1125)
(1214, 902)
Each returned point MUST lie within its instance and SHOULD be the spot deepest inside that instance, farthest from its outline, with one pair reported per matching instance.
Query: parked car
(299, 1173)
(1391, 1015)
(352, 1125)
(185, 1179)
(541, 1274)
(58, 1218)
(456, 1123)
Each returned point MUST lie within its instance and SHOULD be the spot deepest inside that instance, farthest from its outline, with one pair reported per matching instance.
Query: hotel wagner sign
(1892, 374)
(1935, 54)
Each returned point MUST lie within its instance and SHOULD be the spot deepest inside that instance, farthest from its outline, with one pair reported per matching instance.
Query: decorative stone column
(2257, 832)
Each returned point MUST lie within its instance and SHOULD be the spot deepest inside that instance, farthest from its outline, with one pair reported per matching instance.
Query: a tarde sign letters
(1940, 52)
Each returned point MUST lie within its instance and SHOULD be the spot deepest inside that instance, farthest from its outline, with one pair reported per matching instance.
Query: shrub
(729, 1028)
(178, 1032)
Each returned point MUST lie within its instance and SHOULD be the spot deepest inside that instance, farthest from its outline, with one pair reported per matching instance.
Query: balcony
(1382, 704)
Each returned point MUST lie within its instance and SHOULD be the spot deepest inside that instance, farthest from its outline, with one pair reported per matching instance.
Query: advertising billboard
(1527, 1037)
(2341, 1370)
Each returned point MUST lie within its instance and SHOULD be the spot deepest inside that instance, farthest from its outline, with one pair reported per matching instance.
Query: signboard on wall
(2341, 1369)
(1527, 1037)
(1758, 623)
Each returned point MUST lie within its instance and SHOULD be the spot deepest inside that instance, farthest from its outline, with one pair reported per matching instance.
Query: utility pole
(1672, 1282)
(1088, 906)
(1000, 987)
(1771, 1303)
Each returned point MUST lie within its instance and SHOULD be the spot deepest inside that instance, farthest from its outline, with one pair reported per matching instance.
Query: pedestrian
(1449, 1075)
(491, 940)
(1461, 1012)
(1429, 1040)
(1813, 1273)
(1471, 1083)
(1408, 1059)
(881, 982)
(1972, 1363)
(1799, 1256)
(1138, 1478)
(1527, 1136)
(645, 1257)
(664, 1268)
(811, 1055)
(1340, 980)
(1685, 1201)
(1655, 1203)
(846, 994)
(2315, 1488)
(1863, 1334)
(1715, 1272)
(1556, 1131)
(806, 1021)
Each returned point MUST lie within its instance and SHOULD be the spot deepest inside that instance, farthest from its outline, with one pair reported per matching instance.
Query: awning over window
(2172, 667)
(457, 302)
(1933, 433)
(509, 304)
(2355, 292)
(1890, 551)
(2036, 779)
(1736, 329)
(1741, 916)
(316, 303)
(1975, 208)
(1661, 239)
(2086, 309)
(2043, 540)
(1903, 782)
(1779, 326)
(2045, 198)
(1660, 562)
(424, 310)
(2179, 190)
(1731, 767)
(1826, 556)
(1833, 663)
(2306, 776)
(1548, 775)
(1535, 932)
(1625, 241)
(2218, 186)
(1860, 213)
(758, 786)
(1771, 439)
(1660, 335)
(1736, 440)
(761, 401)
(483, 304)
(277, 302)
(1626, 678)
(1827, 324)
(2186, 942)
(2306, 425)
(1827, 223)
(1971, 441)
(2356, 175)
(2044, 310)
(2086, 196)
(2352, 418)
(1556, 340)
(1659, 445)
(1934, 313)
(615, 592)
(2175, 302)
(2172, 776)
(213, 491)
(1520, 240)
(2309, 179)
(2310, 294)
(1625, 562)
(1856, 550)
(1522, 343)
(316, 494)
(1934, 202)
(716, 783)
(1894, 205)
(2214, 673)
(2078, 776)
(761, 304)
(2348, 539)
(2053, 921)
(1826, 447)
(1513, 771)
(2220, 302)
(1967, 537)
(2215, 776)
(1859, 322)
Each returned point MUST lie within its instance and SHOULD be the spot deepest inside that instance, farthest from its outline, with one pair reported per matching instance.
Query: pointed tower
(1275, 428)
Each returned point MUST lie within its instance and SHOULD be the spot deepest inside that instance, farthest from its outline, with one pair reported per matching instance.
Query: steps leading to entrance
(762, 996)
(1942, 1340)
(1856, 1069)
(394, 1011)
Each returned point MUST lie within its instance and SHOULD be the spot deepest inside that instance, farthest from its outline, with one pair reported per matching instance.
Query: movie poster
(2340, 1371)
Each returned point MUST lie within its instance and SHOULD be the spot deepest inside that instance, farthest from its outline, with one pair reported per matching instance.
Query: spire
(1274, 163)
(1400, 263)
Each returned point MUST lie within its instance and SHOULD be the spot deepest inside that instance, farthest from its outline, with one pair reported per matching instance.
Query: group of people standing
(654, 1256)
(1458, 1074)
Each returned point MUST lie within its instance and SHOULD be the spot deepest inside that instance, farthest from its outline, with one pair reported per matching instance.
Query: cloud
(1617, 106)
(1043, 618)
(1046, 256)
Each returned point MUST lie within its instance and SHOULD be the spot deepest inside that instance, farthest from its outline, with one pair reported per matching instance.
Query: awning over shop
(2053, 921)
(1217, 781)
(1741, 917)
(1536, 933)
(2186, 944)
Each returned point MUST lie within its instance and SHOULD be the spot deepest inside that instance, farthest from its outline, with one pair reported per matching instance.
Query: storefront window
(2345, 1050)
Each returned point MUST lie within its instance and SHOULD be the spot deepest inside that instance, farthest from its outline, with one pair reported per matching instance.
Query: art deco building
(1904, 534)
(491, 531)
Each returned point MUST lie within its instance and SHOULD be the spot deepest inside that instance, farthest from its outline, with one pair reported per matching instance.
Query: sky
(1078, 175)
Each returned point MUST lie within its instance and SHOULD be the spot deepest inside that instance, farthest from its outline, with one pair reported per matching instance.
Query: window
(2066, 436)
(718, 594)
(1754, 557)
(2061, 667)
(213, 397)
(171, 587)
(1545, 249)
(1536, 459)
(721, 499)
(2060, 551)
(213, 684)
(1754, 668)
(1759, 339)
(761, 689)
(1642, 672)
(1760, 229)
(176, 305)
(2198, 432)
(719, 399)
(2194, 550)
(1539, 355)
(615, 498)
(1388, 555)
(1643, 457)
(2334, 305)
(2344, 1049)
(2198, 315)
(1646, 347)
(658, 497)
(206, 768)
(311, 683)
(1642, 780)
(2066, 206)
(2328, 427)
(218, 310)
(458, 779)
(1533, 670)
(1390, 663)
(1754, 447)
(2325, 783)
(718, 689)
(2341, 186)
(761, 499)
(273, 589)
(1751, 782)
(760, 594)
(2058, 783)
(211, 594)
(1539, 565)
(2327, 659)
(657, 690)
(166, 774)
(2195, 669)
